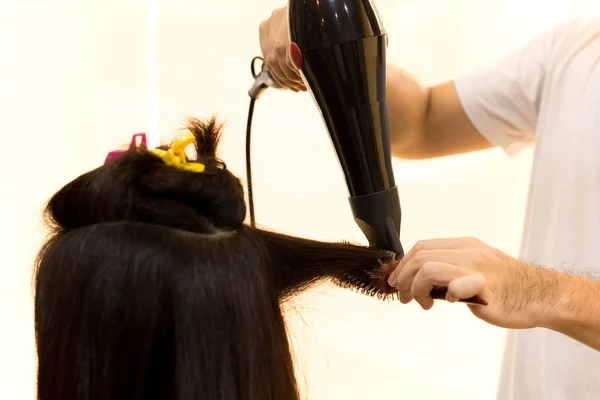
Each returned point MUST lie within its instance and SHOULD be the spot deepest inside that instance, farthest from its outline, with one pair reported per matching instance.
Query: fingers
(437, 262)
(437, 244)
(460, 285)
(291, 67)
(433, 274)
(276, 71)
(405, 274)
(466, 287)
(288, 72)
(274, 44)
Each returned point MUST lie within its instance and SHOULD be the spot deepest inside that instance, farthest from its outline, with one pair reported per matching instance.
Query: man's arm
(428, 122)
(574, 310)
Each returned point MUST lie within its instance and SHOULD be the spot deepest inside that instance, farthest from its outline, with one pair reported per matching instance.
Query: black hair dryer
(340, 48)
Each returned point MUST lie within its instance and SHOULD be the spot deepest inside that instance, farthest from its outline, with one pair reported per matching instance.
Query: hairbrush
(374, 282)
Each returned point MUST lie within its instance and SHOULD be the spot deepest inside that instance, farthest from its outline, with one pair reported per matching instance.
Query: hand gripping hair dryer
(340, 48)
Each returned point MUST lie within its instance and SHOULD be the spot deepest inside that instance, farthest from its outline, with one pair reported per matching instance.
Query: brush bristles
(370, 282)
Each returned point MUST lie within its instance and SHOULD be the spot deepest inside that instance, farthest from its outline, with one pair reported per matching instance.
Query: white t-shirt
(547, 94)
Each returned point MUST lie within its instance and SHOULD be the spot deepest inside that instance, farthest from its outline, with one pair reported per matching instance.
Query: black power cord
(248, 167)
(248, 148)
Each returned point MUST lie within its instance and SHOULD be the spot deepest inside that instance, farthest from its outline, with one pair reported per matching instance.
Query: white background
(79, 77)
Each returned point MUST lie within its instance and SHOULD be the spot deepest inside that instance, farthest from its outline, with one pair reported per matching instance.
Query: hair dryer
(340, 48)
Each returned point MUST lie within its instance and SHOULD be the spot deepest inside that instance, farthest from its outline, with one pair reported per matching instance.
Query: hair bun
(215, 194)
(139, 186)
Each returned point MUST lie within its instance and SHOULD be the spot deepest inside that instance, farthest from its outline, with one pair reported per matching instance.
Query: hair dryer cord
(262, 81)
(248, 164)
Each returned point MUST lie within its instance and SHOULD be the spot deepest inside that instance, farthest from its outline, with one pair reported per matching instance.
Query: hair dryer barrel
(343, 61)
(340, 46)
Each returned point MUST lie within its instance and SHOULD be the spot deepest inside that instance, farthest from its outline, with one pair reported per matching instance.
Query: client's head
(151, 285)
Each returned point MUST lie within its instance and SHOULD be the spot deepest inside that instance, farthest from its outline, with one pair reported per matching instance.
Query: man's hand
(515, 291)
(275, 46)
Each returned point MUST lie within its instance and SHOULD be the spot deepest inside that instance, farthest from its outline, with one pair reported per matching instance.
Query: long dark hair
(151, 286)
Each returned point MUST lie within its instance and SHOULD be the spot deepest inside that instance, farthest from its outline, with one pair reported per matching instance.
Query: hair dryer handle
(262, 81)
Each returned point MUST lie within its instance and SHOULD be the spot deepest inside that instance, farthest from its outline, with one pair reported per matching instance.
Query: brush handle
(439, 293)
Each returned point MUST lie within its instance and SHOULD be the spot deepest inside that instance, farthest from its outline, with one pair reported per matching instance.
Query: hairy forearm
(571, 306)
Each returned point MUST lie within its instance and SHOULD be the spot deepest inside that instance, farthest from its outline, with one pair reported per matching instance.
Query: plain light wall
(78, 78)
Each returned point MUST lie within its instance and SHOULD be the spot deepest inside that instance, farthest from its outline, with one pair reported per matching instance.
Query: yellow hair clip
(175, 155)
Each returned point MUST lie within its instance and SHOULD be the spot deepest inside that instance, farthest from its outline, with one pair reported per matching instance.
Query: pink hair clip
(132, 147)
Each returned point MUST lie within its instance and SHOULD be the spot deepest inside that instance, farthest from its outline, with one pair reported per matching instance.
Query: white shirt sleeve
(503, 100)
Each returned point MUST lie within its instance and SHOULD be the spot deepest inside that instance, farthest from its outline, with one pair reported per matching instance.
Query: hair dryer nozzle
(378, 215)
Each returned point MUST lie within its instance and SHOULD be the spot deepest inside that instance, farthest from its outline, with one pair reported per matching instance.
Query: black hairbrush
(373, 283)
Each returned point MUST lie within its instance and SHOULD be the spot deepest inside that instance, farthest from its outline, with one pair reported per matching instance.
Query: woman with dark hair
(152, 287)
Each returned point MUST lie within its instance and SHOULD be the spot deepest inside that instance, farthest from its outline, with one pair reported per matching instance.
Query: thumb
(465, 287)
